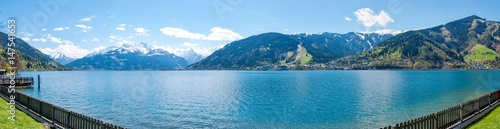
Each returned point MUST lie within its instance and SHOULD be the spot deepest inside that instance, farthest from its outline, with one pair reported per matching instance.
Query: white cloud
(61, 28)
(50, 38)
(95, 40)
(98, 48)
(28, 34)
(368, 18)
(180, 33)
(347, 18)
(190, 45)
(121, 27)
(119, 40)
(47, 50)
(87, 18)
(44, 29)
(186, 46)
(83, 27)
(39, 39)
(54, 39)
(216, 34)
(26, 38)
(285, 30)
(386, 31)
(141, 31)
(68, 50)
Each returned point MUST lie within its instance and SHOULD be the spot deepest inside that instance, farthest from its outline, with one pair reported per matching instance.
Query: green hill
(27, 57)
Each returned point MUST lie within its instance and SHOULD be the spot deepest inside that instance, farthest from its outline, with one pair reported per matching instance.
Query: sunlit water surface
(260, 99)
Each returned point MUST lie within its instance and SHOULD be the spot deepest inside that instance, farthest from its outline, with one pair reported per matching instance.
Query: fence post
(435, 120)
(102, 125)
(40, 108)
(67, 118)
(477, 105)
(53, 114)
(461, 113)
(27, 102)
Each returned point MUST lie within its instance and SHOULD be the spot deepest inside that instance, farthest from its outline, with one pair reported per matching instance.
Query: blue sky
(76, 28)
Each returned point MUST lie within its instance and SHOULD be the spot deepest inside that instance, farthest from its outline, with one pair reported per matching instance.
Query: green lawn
(304, 56)
(480, 52)
(491, 121)
(22, 120)
(301, 57)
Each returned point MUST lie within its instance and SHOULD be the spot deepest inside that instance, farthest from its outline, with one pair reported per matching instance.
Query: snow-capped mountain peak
(144, 49)
(191, 56)
(60, 57)
(130, 57)
(141, 47)
(56, 54)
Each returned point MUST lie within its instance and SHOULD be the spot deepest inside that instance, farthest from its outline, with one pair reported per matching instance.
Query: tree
(496, 58)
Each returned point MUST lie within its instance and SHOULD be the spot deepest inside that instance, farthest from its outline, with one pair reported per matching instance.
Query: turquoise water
(260, 99)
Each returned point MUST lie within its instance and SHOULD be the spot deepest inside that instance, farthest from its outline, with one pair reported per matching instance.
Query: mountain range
(469, 43)
(276, 49)
(130, 57)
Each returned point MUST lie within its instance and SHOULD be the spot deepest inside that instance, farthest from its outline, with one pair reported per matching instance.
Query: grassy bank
(490, 121)
(22, 120)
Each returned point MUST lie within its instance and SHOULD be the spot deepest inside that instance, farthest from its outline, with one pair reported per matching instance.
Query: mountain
(472, 42)
(27, 57)
(275, 49)
(60, 58)
(191, 56)
(130, 57)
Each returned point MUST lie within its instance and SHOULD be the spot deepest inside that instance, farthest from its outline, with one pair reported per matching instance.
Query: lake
(260, 99)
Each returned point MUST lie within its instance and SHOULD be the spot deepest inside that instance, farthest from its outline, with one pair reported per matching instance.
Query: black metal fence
(451, 116)
(58, 115)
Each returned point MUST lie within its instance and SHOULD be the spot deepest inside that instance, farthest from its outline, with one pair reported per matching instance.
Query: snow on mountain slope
(130, 57)
(59, 57)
